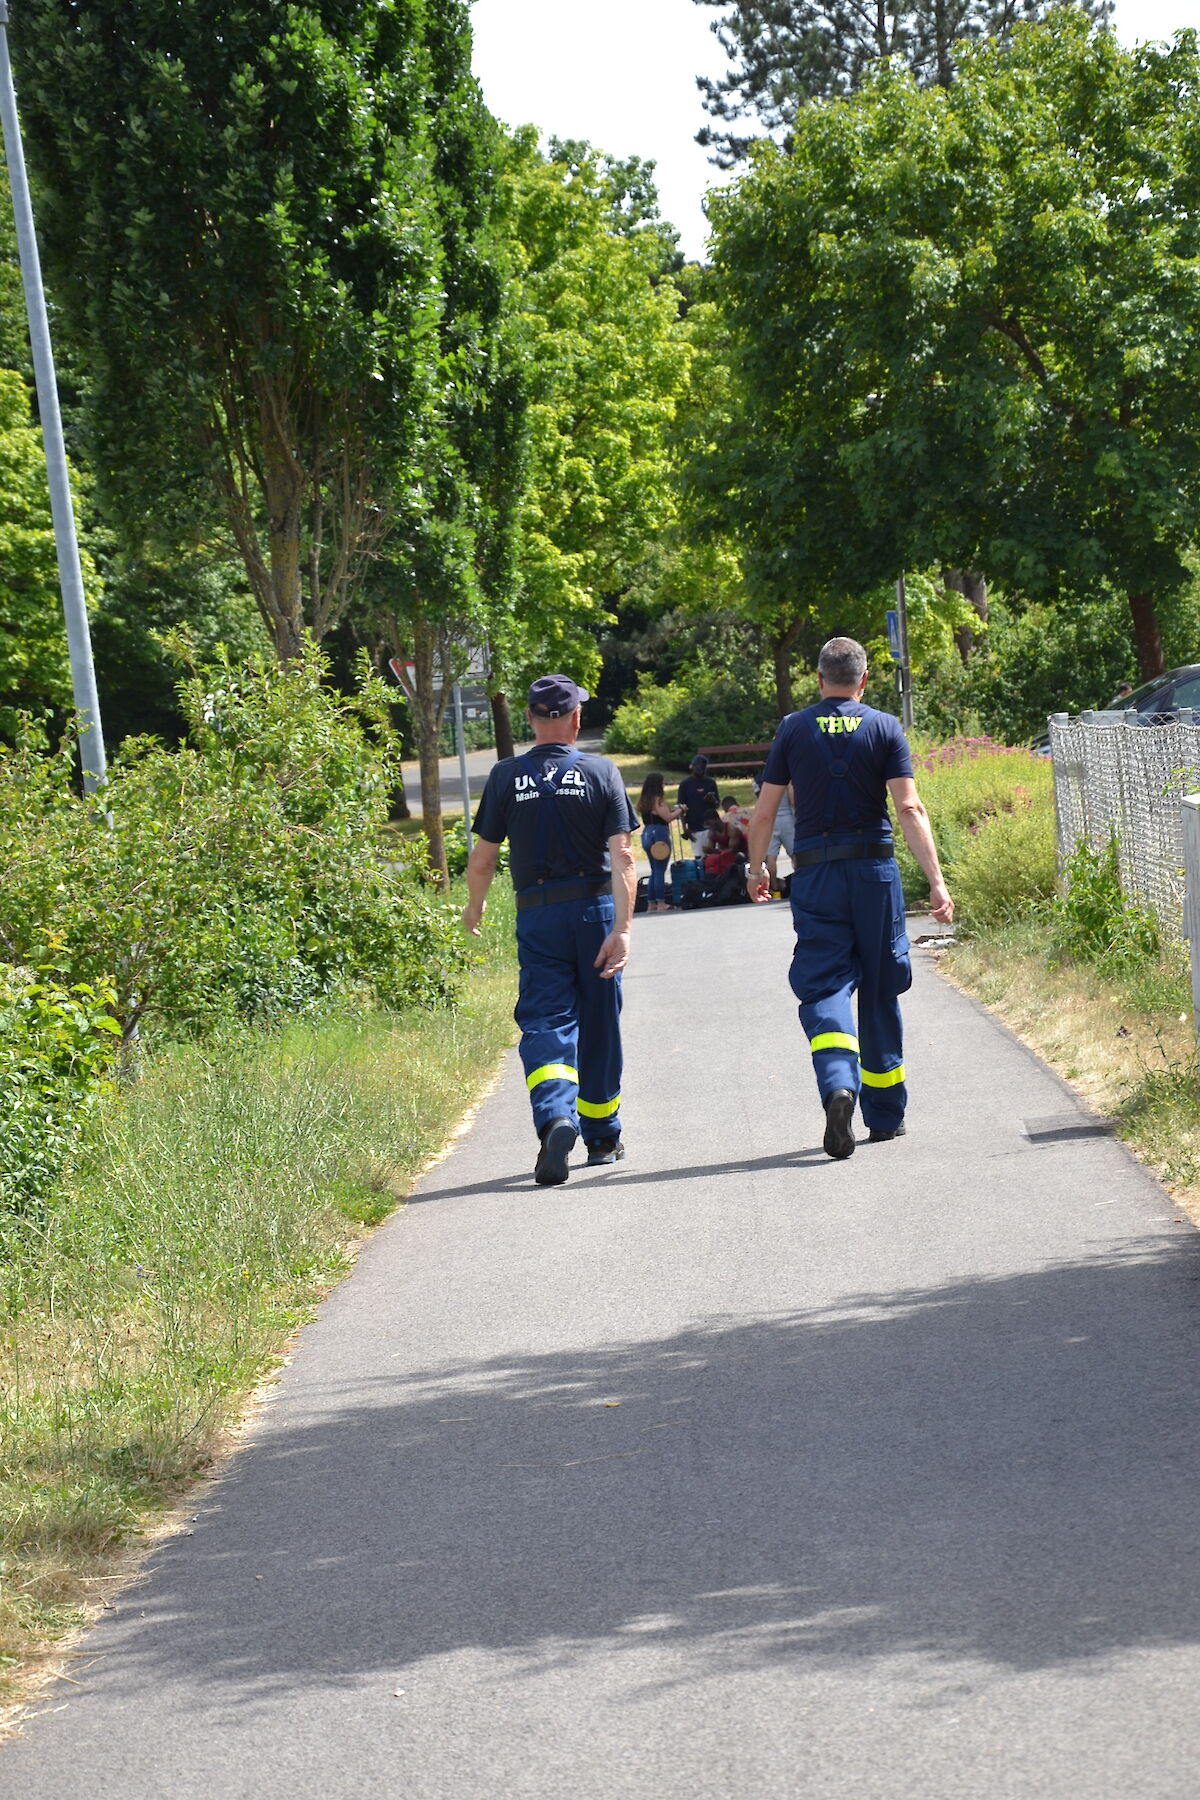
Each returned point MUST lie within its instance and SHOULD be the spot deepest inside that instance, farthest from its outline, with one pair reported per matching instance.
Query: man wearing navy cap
(568, 821)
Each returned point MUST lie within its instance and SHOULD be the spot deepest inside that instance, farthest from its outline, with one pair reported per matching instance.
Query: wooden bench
(734, 759)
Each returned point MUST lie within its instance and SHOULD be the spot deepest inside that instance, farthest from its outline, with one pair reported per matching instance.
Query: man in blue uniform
(567, 819)
(842, 759)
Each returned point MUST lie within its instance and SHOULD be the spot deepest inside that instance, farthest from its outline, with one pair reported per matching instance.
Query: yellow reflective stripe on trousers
(890, 1077)
(552, 1072)
(604, 1111)
(833, 1040)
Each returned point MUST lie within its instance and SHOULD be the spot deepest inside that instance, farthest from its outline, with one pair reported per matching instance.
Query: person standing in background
(697, 797)
(657, 818)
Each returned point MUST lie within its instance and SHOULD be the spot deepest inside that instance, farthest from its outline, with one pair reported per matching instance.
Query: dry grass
(1125, 1043)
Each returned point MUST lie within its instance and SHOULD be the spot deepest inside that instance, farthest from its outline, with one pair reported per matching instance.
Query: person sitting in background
(713, 834)
(733, 814)
(657, 819)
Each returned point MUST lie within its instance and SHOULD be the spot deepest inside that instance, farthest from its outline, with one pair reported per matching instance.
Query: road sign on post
(893, 631)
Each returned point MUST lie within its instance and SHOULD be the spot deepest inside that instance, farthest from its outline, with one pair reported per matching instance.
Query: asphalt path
(479, 766)
(725, 1472)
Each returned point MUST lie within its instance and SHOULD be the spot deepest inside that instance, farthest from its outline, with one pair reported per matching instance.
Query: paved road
(479, 766)
(726, 1473)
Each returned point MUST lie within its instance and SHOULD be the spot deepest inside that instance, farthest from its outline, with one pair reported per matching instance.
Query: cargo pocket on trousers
(896, 977)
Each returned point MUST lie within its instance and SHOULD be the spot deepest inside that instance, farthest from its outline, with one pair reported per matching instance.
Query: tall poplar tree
(238, 216)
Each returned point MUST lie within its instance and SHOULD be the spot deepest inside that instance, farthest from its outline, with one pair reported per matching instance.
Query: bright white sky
(623, 75)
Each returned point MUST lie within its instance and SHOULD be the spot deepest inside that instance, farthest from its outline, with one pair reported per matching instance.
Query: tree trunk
(1146, 636)
(973, 588)
(284, 486)
(398, 807)
(781, 652)
(502, 727)
(427, 719)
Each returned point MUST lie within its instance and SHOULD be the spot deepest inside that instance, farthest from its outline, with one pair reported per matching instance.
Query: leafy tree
(142, 602)
(606, 358)
(786, 53)
(34, 671)
(450, 566)
(238, 217)
(966, 329)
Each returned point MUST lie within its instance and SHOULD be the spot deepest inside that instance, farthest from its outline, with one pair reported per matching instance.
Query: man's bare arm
(761, 822)
(481, 867)
(614, 951)
(914, 823)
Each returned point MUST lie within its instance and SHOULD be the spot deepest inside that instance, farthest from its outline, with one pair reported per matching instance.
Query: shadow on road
(620, 1175)
(998, 1472)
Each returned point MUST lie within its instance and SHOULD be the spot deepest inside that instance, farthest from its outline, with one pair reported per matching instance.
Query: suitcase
(642, 902)
(687, 869)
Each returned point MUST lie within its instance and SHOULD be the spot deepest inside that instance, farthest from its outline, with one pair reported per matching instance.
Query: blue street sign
(893, 630)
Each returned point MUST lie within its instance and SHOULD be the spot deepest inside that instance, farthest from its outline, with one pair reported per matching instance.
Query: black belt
(841, 853)
(555, 891)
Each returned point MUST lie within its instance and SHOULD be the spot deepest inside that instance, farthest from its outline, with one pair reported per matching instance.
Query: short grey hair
(842, 662)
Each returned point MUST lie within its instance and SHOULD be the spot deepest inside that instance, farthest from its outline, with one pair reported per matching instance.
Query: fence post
(1190, 806)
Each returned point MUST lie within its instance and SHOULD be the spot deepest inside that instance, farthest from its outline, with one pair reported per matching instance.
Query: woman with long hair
(657, 818)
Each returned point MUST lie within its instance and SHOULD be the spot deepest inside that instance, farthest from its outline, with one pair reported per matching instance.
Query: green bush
(456, 851)
(964, 783)
(636, 720)
(244, 874)
(724, 712)
(57, 1046)
(1008, 868)
(1094, 921)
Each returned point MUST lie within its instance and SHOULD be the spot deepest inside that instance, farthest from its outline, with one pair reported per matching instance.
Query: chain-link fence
(1115, 778)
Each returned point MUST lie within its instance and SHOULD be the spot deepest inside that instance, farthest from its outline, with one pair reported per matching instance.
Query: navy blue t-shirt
(591, 802)
(871, 745)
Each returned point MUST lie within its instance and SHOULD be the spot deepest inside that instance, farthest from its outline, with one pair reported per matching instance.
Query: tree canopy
(598, 321)
(239, 214)
(968, 328)
(785, 53)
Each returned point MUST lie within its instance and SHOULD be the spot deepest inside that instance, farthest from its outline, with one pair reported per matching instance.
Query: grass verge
(1124, 1041)
(215, 1203)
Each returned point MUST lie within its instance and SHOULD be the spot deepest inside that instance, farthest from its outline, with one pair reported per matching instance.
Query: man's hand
(758, 884)
(613, 954)
(940, 903)
(472, 918)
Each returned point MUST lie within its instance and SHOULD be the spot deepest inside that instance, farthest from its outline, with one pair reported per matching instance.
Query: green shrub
(1008, 869)
(245, 874)
(636, 720)
(724, 712)
(1094, 921)
(57, 1046)
(963, 783)
(456, 851)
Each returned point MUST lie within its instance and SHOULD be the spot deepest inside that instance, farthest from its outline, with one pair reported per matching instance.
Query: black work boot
(839, 1132)
(558, 1141)
(605, 1150)
(885, 1137)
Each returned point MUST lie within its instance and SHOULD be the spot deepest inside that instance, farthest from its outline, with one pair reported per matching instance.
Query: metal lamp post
(70, 574)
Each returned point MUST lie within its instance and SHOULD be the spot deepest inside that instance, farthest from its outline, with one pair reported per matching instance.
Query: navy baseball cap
(556, 695)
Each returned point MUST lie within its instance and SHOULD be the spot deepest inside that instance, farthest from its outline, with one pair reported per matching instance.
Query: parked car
(1165, 695)
(1155, 702)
